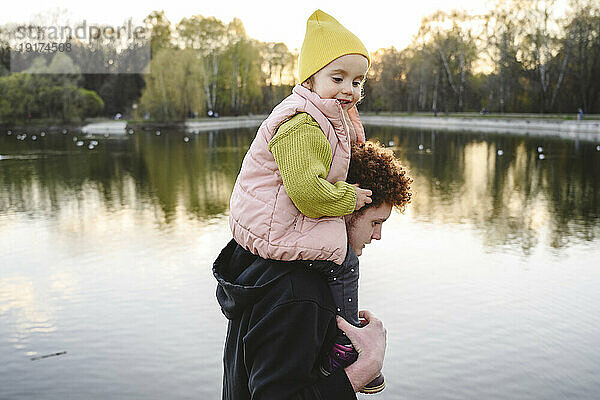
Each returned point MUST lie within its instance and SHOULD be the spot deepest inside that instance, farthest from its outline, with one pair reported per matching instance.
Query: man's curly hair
(375, 168)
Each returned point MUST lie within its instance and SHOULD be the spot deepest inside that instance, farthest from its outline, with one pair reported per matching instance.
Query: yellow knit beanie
(325, 40)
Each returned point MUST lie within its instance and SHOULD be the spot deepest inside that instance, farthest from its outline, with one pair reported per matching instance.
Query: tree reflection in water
(512, 197)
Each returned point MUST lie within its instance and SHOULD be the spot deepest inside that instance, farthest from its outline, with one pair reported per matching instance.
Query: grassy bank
(565, 117)
(47, 123)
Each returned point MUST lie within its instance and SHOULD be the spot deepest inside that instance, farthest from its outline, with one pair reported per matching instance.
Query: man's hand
(363, 196)
(369, 341)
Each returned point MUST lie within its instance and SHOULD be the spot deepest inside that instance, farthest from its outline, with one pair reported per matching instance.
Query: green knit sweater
(303, 156)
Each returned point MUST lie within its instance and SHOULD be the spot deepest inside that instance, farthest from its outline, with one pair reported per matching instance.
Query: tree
(502, 33)
(174, 86)
(27, 95)
(18, 90)
(161, 31)
(582, 35)
(6, 112)
(278, 65)
(542, 53)
(386, 81)
(4, 53)
(242, 78)
(208, 37)
(445, 45)
(88, 103)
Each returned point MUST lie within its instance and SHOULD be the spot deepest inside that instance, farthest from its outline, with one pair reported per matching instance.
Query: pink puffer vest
(263, 219)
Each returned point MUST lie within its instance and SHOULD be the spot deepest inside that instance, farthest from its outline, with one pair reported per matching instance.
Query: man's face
(366, 226)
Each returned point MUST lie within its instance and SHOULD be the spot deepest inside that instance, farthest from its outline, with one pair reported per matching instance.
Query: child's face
(341, 79)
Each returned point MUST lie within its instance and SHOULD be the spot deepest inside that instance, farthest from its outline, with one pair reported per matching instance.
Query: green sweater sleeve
(303, 156)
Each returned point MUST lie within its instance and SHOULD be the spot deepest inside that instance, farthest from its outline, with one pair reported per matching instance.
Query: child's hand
(363, 196)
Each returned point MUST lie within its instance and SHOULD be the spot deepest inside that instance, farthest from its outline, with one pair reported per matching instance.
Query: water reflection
(30, 314)
(106, 254)
(511, 196)
(197, 175)
(496, 183)
(141, 171)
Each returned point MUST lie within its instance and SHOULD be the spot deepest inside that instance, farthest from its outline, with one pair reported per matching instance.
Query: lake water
(488, 285)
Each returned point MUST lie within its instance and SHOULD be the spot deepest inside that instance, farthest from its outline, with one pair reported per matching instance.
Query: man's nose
(376, 233)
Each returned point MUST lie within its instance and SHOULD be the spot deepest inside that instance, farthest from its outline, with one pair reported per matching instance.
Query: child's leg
(343, 282)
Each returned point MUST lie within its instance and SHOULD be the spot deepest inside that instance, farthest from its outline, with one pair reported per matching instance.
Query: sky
(379, 24)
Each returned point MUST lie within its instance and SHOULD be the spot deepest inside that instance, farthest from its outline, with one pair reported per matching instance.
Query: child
(290, 197)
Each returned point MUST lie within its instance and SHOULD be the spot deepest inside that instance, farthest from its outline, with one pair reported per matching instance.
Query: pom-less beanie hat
(325, 40)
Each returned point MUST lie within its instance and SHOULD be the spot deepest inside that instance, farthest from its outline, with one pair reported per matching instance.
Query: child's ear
(307, 84)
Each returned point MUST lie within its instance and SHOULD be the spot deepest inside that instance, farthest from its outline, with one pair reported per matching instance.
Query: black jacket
(281, 325)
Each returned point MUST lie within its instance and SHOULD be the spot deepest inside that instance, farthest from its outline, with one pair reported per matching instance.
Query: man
(282, 318)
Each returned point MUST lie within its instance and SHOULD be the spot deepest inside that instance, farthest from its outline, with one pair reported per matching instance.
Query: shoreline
(583, 130)
(121, 128)
(250, 121)
(588, 130)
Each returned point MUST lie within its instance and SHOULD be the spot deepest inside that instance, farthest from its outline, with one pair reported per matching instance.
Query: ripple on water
(122, 269)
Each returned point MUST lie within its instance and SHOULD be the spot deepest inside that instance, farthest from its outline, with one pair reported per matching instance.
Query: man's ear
(348, 219)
